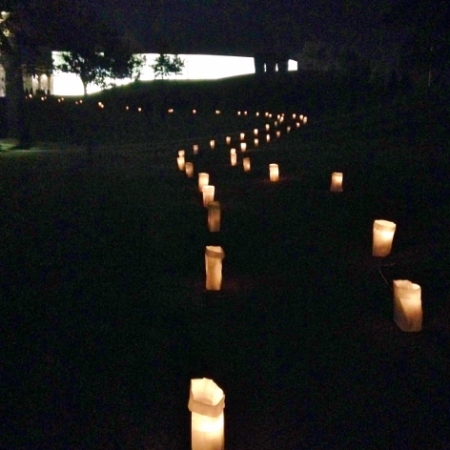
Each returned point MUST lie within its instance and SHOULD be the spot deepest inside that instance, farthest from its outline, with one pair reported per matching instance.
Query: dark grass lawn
(104, 318)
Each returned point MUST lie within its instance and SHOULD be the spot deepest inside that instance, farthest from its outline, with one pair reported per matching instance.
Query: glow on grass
(197, 67)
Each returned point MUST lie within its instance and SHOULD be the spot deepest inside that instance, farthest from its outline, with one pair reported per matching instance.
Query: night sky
(245, 27)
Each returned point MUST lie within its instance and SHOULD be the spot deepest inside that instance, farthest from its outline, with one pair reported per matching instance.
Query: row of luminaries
(206, 399)
(407, 295)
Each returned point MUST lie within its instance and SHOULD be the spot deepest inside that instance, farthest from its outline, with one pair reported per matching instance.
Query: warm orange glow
(336, 181)
(407, 305)
(242, 136)
(278, 133)
(288, 129)
(212, 143)
(213, 265)
(181, 153)
(170, 110)
(203, 180)
(206, 403)
(267, 127)
(214, 217)
(228, 140)
(194, 111)
(189, 169)
(297, 124)
(256, 142)
(267, 137)
(274, 172)
(255, 131)
(180, 162)
(383, 235)
(246, 164)
(243, 147)
(217, 112)
(195, 149)
(233, 156)
(208, 194)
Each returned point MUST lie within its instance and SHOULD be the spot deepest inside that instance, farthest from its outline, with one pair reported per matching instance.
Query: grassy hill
(104, 317)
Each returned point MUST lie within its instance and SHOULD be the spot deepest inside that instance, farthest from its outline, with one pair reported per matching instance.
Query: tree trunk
(18, 127)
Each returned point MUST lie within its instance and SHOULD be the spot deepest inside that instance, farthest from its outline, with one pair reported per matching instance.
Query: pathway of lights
(407, 303)
(206, 400)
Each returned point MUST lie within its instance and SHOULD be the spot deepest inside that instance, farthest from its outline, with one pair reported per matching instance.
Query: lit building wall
(197, 67)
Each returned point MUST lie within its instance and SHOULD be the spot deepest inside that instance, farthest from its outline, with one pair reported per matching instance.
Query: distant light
(197, 67)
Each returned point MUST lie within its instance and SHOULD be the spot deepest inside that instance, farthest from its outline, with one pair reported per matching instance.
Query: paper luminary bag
(206, 403)
(336, 181)
(213, 266)
(214, 217)
(274, 172)
(208, 195)
(203, 180)
(189, 167)
(383, 235)
(407, 305)
(233, 156)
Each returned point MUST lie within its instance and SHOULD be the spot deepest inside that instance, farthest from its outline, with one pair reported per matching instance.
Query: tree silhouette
(165, 65)
(33, 27)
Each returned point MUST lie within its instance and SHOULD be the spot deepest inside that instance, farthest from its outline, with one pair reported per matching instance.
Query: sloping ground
(104, 317)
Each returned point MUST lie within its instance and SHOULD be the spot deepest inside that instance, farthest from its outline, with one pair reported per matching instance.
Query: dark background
(234, 26)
